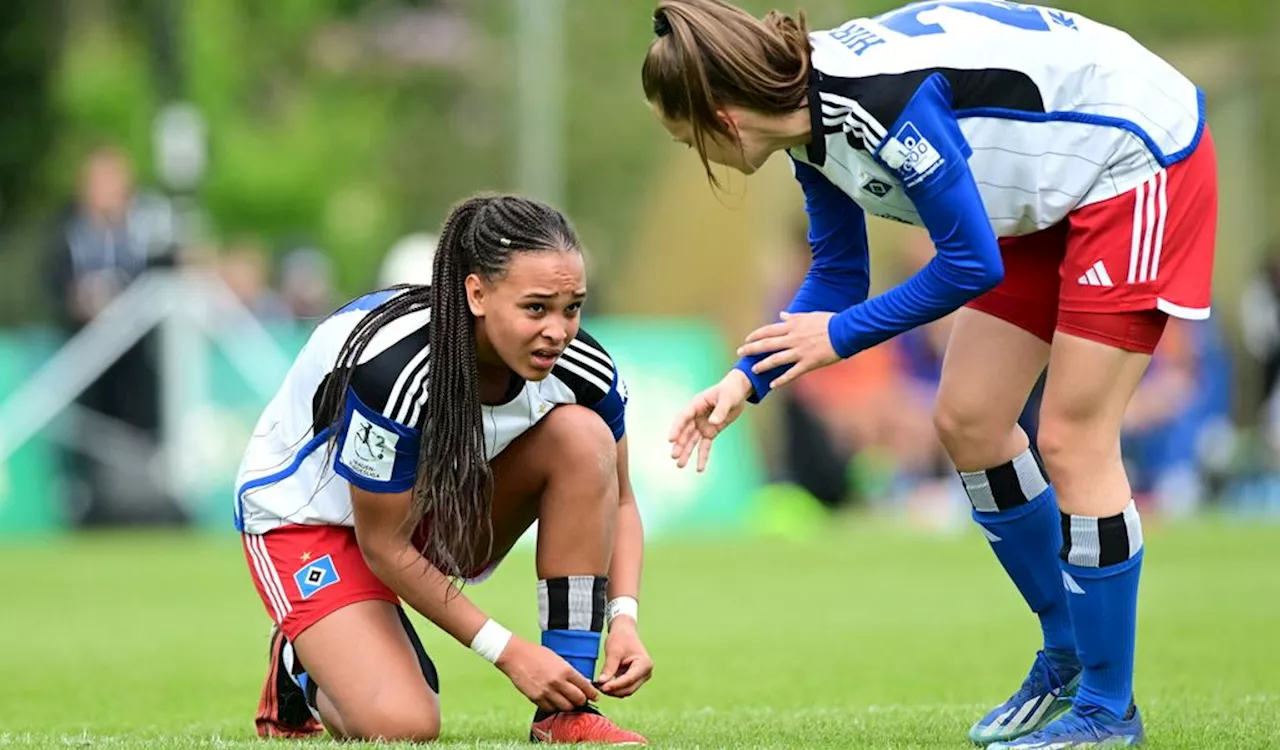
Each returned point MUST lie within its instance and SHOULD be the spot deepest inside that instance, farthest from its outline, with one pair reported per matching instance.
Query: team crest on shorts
(316, 575)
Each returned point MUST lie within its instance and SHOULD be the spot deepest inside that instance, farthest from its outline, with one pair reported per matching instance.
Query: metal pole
(540, 99)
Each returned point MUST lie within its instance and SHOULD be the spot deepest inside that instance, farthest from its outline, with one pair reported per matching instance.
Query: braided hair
(453, 490)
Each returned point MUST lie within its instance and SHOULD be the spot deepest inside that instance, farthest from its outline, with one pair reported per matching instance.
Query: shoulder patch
(369, 450)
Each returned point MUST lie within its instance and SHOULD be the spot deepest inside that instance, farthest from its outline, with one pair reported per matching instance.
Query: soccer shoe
(585, 724)
(1082, 728)
(1044, 696)
(282, 710)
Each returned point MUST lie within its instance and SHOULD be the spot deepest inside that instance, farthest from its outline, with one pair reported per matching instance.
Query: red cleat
(282, 710)
(583, 725)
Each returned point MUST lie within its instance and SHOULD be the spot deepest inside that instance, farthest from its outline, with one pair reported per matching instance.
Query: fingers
(724, 405)
(555, 701)
(777, 359)
(764, 345)
(683, 459)
(790, 375)
(769, 331)
(610, 669)
(704, 454)
(681, 423)
(581, 686)
(686, 437)
(635, 672)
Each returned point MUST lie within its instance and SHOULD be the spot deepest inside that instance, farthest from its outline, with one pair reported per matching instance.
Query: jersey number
(907, 21)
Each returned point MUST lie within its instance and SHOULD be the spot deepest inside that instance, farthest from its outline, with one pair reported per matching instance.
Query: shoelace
(1039, 680)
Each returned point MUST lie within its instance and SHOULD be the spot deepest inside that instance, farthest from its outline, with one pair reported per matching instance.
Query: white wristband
(623, 605)
(490, 641)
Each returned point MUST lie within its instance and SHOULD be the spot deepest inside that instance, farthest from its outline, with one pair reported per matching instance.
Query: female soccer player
(420, 432)
(1068, 182)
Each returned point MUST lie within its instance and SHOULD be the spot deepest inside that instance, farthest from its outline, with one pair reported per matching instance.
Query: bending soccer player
(1068, 181)
(418, 435)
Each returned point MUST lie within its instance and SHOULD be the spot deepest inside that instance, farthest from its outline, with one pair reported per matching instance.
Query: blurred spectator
(862, 427)
(1260, 321)
(409, 261)
(103, 241)
(1180, 418)
(306, 283)
(246, 270)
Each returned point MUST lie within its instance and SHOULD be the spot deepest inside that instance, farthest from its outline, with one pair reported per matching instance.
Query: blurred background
(187, 186)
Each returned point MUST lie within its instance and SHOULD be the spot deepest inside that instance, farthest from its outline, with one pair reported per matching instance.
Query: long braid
(454, 487)
(453, 491)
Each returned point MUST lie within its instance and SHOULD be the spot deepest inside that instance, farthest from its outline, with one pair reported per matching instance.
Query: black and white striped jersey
(1050, 110)
(287, 474)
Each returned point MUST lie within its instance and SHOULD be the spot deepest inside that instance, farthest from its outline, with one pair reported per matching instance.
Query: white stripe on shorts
(267, 575)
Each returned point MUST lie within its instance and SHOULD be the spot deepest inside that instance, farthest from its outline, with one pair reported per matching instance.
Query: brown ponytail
(710, 54)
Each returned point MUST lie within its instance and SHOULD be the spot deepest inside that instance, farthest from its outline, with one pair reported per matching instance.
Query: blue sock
(578, 647)
(1016, 507)
(571, 613)
(1101, 564)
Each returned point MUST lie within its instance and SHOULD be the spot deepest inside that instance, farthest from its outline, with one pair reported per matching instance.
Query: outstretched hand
(706, 416)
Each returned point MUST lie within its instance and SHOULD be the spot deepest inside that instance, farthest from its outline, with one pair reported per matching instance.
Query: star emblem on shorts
(305, 556)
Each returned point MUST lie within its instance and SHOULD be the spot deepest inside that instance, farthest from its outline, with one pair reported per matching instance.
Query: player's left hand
(801, 338)
(627, 665)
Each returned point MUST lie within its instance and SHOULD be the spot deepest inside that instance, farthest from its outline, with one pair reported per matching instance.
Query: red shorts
(1113, 270)
(304, 573)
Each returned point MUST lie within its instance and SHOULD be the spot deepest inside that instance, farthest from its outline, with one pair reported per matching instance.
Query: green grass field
(867, 636)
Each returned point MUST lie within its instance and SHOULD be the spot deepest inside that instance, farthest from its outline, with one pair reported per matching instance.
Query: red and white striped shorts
(304, 573)
(1150, 249)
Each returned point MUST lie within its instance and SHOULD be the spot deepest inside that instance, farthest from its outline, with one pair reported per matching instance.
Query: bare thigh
(988, 371)
(1086, 393)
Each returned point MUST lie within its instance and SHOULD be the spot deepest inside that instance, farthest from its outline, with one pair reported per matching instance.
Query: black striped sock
(1098, 542)
(572, 603)
(1006, 486)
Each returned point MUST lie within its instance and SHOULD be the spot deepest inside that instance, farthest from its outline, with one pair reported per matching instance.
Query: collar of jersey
(816, 150)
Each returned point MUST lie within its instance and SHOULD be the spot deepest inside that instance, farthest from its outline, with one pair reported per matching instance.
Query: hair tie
(504, 242)
(661, 26)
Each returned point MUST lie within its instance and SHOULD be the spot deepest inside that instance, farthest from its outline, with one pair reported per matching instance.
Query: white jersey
(1055, 111)
(290, 474)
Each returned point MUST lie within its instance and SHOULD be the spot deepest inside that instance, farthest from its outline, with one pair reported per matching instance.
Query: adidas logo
(1096, 276)
(1070, 583)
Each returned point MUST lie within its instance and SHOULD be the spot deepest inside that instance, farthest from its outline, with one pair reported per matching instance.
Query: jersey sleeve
(927, 152)
(839, 274)
(380, 429)
(593, 377)
(924, 146)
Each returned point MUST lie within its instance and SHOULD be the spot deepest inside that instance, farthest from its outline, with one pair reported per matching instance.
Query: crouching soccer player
(1068, 181)
(418, 435)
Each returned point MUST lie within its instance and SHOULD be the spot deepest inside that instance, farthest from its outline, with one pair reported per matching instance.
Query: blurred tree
(356, 121)
(29, 43)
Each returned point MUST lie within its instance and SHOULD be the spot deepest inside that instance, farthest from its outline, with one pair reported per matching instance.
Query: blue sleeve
(375, 453)
(839, 275)
(612, 408)
(929, 154)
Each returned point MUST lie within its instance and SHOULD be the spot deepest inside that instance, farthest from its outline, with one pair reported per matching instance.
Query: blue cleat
(1082, 728)
(1044, 696)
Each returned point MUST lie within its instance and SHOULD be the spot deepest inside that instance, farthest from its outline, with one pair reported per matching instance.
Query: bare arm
(385, 542)
(628, 545)
(627, 664)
